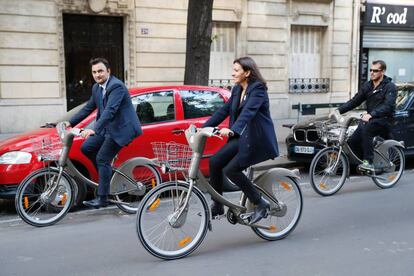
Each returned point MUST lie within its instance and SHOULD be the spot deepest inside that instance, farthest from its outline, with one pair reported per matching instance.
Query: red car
(164, 112)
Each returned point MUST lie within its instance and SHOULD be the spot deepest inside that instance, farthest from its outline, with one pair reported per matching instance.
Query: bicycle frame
(344, 147)
(197, 142)
(64, 163)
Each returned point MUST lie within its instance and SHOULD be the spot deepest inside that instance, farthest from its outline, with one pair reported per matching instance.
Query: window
(155, 107)
(306, 60)
(223, 53)
(199, 103)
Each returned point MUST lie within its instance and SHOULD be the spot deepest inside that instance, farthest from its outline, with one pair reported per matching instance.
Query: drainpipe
(354, 51)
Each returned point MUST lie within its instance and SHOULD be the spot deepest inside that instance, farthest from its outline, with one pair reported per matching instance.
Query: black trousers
(101, 150)
(226, 162)
(361, 141)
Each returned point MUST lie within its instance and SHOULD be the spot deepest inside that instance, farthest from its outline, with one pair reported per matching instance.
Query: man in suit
(117, 124)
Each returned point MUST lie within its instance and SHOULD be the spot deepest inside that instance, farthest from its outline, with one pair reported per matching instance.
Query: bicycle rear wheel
(328, 171)
(393, 170)
(155, 226)
(147, 175)
(281, 221)
(39, 202)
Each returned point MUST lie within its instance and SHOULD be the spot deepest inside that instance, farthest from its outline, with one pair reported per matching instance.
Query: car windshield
(402, 98)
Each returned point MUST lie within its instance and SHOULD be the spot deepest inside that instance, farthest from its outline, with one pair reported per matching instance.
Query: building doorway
(85, 37)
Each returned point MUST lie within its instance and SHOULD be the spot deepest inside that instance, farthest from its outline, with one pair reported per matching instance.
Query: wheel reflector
(391, 177)
(323, 185)
(272, 228)
(154, 205)
(184, 241)
(26, 202)
(153, 183)
(64, 198)
(285, 185)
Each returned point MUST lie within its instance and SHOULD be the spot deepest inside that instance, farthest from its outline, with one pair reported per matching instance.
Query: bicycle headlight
(15, 157)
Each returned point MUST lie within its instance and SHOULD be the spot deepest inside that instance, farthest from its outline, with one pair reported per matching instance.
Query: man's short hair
(382, 63)
(97, 60)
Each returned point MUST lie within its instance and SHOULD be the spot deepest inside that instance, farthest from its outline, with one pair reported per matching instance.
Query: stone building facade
(307, 50)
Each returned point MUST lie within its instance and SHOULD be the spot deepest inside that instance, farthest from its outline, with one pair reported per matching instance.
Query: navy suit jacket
(254, 125)
(118, 119)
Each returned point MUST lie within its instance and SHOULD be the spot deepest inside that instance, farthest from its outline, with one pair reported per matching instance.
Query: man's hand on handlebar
(365, 117)
(226, 132)
(86, 133)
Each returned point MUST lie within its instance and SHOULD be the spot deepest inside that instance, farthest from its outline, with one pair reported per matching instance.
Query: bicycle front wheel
(282, 220)
(146, 175)
(159, 233)
(328, 171)
(40, 201)
(394, 167)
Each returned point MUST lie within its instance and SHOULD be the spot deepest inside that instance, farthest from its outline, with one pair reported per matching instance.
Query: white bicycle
(173, 218)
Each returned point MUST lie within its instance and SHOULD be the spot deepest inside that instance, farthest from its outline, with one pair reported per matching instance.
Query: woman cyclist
(251, 133)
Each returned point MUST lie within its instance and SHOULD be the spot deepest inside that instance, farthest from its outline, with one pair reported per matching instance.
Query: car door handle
(177, 131)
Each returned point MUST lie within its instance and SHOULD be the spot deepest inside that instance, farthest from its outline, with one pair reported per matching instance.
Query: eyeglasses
(375, 70)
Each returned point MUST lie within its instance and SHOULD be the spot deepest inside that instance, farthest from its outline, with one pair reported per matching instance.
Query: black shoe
(100, 201)
(217, 209)
(260, 211)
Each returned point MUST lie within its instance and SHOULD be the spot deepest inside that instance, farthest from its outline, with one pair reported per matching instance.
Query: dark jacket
(380, 102)
(257, 141)
(118, 119)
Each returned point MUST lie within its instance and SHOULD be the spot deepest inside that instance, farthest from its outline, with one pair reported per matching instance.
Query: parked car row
(305, 139)
(164, 111)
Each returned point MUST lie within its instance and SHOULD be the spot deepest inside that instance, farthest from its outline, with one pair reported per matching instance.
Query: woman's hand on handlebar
(333, 114)
(87, 132)
(226, 132)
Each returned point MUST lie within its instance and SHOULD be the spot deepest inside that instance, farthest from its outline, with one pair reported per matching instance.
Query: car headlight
(15, 157)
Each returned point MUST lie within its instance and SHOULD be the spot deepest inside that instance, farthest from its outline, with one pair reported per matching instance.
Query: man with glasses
(380, 94)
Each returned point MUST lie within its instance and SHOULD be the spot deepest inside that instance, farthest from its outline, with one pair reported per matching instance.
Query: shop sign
(389, 16)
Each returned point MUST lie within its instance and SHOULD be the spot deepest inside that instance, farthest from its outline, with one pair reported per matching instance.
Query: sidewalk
(280, 161)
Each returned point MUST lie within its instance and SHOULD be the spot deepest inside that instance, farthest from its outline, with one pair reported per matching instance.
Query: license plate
(304, 149)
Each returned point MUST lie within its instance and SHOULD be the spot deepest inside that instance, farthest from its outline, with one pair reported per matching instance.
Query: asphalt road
(362, 230)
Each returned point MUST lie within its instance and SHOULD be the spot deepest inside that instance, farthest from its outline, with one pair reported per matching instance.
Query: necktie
(103, 97)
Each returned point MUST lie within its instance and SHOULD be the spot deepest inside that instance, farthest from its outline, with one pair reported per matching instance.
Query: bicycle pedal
(246, 216)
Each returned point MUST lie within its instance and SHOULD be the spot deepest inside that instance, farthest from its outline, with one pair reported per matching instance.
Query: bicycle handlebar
(63, 131)
(346, 119)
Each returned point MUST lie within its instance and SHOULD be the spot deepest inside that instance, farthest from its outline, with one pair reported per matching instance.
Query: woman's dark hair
(97, 60)
(248, 64)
